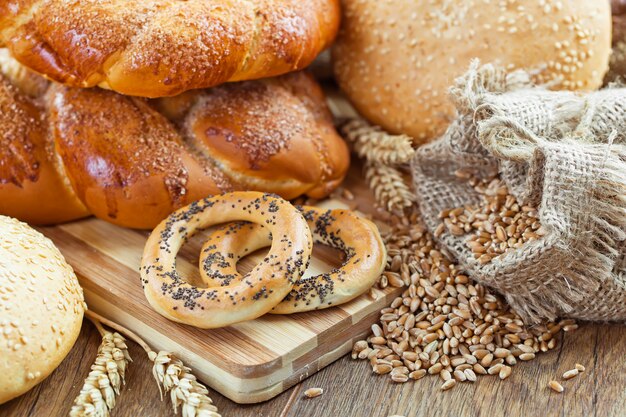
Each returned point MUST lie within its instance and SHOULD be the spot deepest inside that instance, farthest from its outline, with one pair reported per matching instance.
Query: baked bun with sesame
(396, 59)
(66, 153)
(164, 47)
(41, 308)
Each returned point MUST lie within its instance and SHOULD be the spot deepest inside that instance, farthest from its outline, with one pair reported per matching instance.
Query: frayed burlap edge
(571, 267)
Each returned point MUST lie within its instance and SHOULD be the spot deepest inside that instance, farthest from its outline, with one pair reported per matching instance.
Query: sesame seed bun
(41, 308)
(395, 59)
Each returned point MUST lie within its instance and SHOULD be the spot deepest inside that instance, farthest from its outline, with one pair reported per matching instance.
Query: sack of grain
(561, 152)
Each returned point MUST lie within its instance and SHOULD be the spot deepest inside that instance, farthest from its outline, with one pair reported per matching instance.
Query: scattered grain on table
(449, 384)
(570, 374)
(313, 392)
(555, 386)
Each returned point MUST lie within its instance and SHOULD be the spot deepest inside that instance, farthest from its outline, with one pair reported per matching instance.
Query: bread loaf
(66, 153)
(396, 59)
(41, 308)
(164, 47)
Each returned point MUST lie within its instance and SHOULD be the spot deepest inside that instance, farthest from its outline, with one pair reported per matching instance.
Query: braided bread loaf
(66, 153)
(164, 47)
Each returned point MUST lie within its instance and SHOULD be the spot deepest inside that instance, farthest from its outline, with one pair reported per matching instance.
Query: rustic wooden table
(350, 388)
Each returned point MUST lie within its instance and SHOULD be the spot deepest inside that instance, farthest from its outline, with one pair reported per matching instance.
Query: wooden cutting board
(247, 362)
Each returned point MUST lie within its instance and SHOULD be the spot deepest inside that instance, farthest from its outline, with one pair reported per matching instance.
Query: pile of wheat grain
(497, 225)
(444, 324)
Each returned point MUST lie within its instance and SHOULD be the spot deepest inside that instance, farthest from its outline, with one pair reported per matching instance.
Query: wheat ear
(376, 145)
(384, 154)
(97, 396)
(389, 186)
(172, 377)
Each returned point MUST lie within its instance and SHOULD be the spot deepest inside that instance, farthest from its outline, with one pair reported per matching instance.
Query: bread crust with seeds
(257, 292)
(396, 59)
(164, 47)
(67, 153)
(345, 230)
(41, 308)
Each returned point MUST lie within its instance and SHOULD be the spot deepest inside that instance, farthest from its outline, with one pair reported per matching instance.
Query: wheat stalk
(376, 145)
(174, 377)
(389, 187)
(97, 396)
(383, 154)
(170, 373)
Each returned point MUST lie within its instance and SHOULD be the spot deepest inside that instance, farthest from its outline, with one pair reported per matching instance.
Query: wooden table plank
(600, 391)
(350, 388)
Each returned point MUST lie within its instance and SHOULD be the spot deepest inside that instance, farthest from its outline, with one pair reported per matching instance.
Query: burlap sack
(562, 152)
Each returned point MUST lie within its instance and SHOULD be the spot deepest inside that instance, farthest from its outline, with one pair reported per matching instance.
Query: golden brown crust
(256, 293)
(125, 161)
(274, 135)
(344, 230)
(32, 184)
(129, 164)
(164, 47)
(396, 60)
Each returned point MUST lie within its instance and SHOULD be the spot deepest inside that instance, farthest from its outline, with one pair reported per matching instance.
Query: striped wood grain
(247, 362)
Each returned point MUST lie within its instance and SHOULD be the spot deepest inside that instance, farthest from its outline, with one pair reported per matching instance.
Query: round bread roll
(41, 308)
(395, 59)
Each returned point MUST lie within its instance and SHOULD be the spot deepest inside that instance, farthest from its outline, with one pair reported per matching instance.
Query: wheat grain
(347, 194)
(313, 392)
(460, 375)
(505, 372)
(448, 384)
(382, 368)
(418, 374)
(570, 374)
(470, 375)
(399, 378)
(555, 386)
(494, 369)
(375, 145)
(580, 367)
(445, 374)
